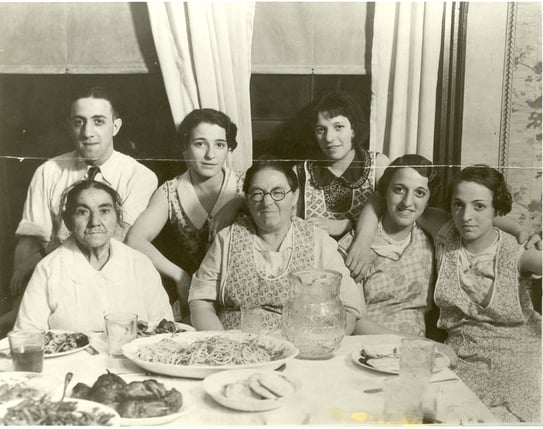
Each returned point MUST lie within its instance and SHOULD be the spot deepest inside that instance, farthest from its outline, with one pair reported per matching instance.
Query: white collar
(188, 199)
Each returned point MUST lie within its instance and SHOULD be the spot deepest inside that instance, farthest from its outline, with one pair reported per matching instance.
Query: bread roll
(276, 384)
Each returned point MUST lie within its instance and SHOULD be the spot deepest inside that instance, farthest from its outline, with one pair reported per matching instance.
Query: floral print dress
(398, 283)
(338, 198)
(491, 324)
(190, 220)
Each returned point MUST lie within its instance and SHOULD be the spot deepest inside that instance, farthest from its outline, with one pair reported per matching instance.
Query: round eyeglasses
(277, 194)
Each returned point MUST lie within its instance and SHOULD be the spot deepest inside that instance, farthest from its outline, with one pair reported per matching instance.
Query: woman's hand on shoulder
(533, 242)
(358, 261)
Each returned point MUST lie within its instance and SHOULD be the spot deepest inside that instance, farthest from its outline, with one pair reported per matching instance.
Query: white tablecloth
(331, 392)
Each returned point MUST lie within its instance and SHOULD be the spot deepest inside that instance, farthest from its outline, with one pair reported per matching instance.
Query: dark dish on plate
(60, 342)
(44, 412)
(138, 399)
(163, 327)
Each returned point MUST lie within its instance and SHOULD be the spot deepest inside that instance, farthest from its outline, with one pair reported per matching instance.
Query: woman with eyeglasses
(249, 262)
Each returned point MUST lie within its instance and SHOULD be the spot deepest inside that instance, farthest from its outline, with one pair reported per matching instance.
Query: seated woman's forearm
(163, 265)
(351, 323)
(204, 317)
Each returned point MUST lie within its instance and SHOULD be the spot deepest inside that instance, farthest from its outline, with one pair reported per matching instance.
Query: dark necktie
(92, 172)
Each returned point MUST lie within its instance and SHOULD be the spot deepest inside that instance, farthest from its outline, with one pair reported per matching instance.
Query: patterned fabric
(476, 271)
(339, 199)
(246, 287)
(192, 241)
(397, 289)
(498, 346)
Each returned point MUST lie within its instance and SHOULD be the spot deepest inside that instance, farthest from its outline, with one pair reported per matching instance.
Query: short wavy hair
(419, 163)
(98, 92)
(208, 116)
(336, 103)
(270, 162)
(490, 178)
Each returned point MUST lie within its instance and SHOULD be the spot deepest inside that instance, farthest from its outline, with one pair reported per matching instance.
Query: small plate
(66, 352)
(35, 384)
(4, 346)
(181, 327)
(82, 405)
(391, 365)
(214, 386)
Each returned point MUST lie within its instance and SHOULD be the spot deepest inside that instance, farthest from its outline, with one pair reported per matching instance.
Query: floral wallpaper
(523, 171)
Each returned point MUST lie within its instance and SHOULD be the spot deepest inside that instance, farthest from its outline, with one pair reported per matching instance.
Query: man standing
(92, 124)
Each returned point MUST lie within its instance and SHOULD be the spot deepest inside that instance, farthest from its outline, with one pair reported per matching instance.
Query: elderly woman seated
(91, 274)
(249, 262)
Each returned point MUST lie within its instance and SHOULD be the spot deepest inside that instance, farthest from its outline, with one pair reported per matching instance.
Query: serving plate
(214, 385)
(82, 405)
(201, 371)
(17, 385)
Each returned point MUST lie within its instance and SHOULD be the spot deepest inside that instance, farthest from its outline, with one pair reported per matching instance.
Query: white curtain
(204, 50)
(405, 62)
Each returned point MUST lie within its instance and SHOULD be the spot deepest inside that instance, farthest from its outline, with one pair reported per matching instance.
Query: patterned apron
(244, 286)
(498, 346)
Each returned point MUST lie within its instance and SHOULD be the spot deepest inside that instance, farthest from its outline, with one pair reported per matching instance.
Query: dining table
(334, 391)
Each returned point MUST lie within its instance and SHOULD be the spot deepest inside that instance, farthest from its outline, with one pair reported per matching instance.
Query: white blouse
(66, 292)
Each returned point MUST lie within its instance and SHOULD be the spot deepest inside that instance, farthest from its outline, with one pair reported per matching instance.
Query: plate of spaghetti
(199, 354)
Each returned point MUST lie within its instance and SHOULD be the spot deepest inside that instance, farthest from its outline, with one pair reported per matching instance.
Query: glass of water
(121, 328)
(251, 320)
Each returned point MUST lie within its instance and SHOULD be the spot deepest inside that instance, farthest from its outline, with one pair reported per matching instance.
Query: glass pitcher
(314, 318)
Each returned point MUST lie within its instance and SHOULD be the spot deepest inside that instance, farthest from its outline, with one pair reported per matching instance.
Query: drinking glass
(26, 346)
(121, 328)
(416, 358)
(251, 320)
(402, 400)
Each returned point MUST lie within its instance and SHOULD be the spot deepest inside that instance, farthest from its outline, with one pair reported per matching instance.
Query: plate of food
(45, 412)
(59, 342)
(139, 400)
(199, 354)
(250, 390)
(26, 385)
(385, 358)
(146, 329)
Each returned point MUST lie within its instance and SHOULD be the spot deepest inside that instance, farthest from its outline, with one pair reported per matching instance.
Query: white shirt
(66, 292)
(134, 182)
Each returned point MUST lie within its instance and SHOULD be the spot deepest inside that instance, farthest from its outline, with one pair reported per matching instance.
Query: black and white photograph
(249, 213)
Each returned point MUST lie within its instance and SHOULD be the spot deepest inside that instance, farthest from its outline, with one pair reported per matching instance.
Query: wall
(502, 110)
